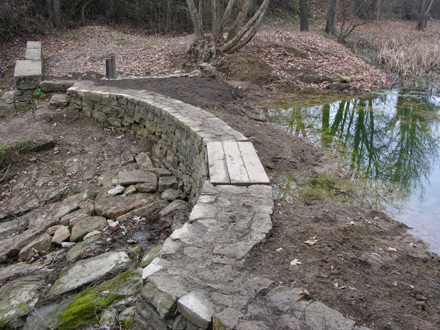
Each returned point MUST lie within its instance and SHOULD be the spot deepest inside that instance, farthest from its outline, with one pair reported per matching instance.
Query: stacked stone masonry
(198, 279)
(28, 74)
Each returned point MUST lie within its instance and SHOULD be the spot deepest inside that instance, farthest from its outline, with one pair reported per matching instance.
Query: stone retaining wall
(180, 131)
(198, 278)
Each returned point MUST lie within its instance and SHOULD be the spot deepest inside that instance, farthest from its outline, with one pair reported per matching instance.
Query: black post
(107, 68)
(113, 60)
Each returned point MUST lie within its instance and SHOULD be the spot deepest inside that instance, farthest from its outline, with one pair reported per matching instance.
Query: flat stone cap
(27, 68)
(33, 44)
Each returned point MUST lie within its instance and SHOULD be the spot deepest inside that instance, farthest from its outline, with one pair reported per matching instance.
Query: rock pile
(95, 238)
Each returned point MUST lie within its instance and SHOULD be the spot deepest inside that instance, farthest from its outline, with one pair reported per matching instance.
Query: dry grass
(401, 49)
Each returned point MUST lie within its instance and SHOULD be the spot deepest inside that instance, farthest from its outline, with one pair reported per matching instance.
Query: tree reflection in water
(386, 147)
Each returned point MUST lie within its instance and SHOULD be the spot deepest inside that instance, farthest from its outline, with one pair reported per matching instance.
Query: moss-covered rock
(90, 303)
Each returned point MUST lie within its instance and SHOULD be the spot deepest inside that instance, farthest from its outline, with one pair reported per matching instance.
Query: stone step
(235, 163)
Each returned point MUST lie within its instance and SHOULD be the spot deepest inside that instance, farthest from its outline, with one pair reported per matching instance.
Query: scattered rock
(175, 206)
(127, 178)
(60, 235)
(72, 218)
(338, 86)
(40, 244)
(172, 194)
(116, 191)
(144, 211)
(150, 255)
(113, 207)
(58, 101)
(130, 190)
(167, 182)
(89, 247)
(85, 226)
(144, 161)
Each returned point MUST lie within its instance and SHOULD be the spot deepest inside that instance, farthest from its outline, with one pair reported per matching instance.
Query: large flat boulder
(18, 298)
(113, 207)
(90, 270)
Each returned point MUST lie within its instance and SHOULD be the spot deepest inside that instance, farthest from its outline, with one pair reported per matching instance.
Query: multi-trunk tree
(229, 15)
(423, 19)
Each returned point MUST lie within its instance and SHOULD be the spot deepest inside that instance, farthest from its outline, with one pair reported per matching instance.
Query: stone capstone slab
(196, 308)
(89, 270)
(227, 319)
(55, 86)
(27, 74)
(34, 54)
(162, 291)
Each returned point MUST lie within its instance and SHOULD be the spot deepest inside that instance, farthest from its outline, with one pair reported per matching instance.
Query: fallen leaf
(295, 262)
(304, 293)
(311, 240)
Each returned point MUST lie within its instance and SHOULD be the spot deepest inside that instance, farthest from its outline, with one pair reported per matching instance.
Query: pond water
(383, 152)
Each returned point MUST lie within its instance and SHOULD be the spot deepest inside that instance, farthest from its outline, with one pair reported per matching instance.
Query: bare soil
(363, 263)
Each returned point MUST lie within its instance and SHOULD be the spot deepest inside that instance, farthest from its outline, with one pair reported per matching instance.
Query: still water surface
(384, 153)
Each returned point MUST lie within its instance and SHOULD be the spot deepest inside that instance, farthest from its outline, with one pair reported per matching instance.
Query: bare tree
(423, 19)
(207, 46)
(350, 17)
(330, 26)
(303, 15)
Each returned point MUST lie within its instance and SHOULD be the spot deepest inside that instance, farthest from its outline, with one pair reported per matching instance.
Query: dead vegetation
(399, 48)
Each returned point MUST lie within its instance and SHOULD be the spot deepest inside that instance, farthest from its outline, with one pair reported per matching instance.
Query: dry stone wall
(180, 131)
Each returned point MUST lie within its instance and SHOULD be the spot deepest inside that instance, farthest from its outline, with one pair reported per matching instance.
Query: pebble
(116, 191)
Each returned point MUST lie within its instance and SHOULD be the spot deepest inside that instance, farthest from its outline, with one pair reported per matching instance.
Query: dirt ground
(357, 260)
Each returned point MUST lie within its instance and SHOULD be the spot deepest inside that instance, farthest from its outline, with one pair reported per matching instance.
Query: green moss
(86, 307)
(129, 322)
(89, 304)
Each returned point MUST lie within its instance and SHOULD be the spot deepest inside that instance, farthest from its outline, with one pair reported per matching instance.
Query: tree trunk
(56, 14)
(303, 15)
(240, 19)
(330, 27)
(205, 47)
(198, 29)
(423, 19)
